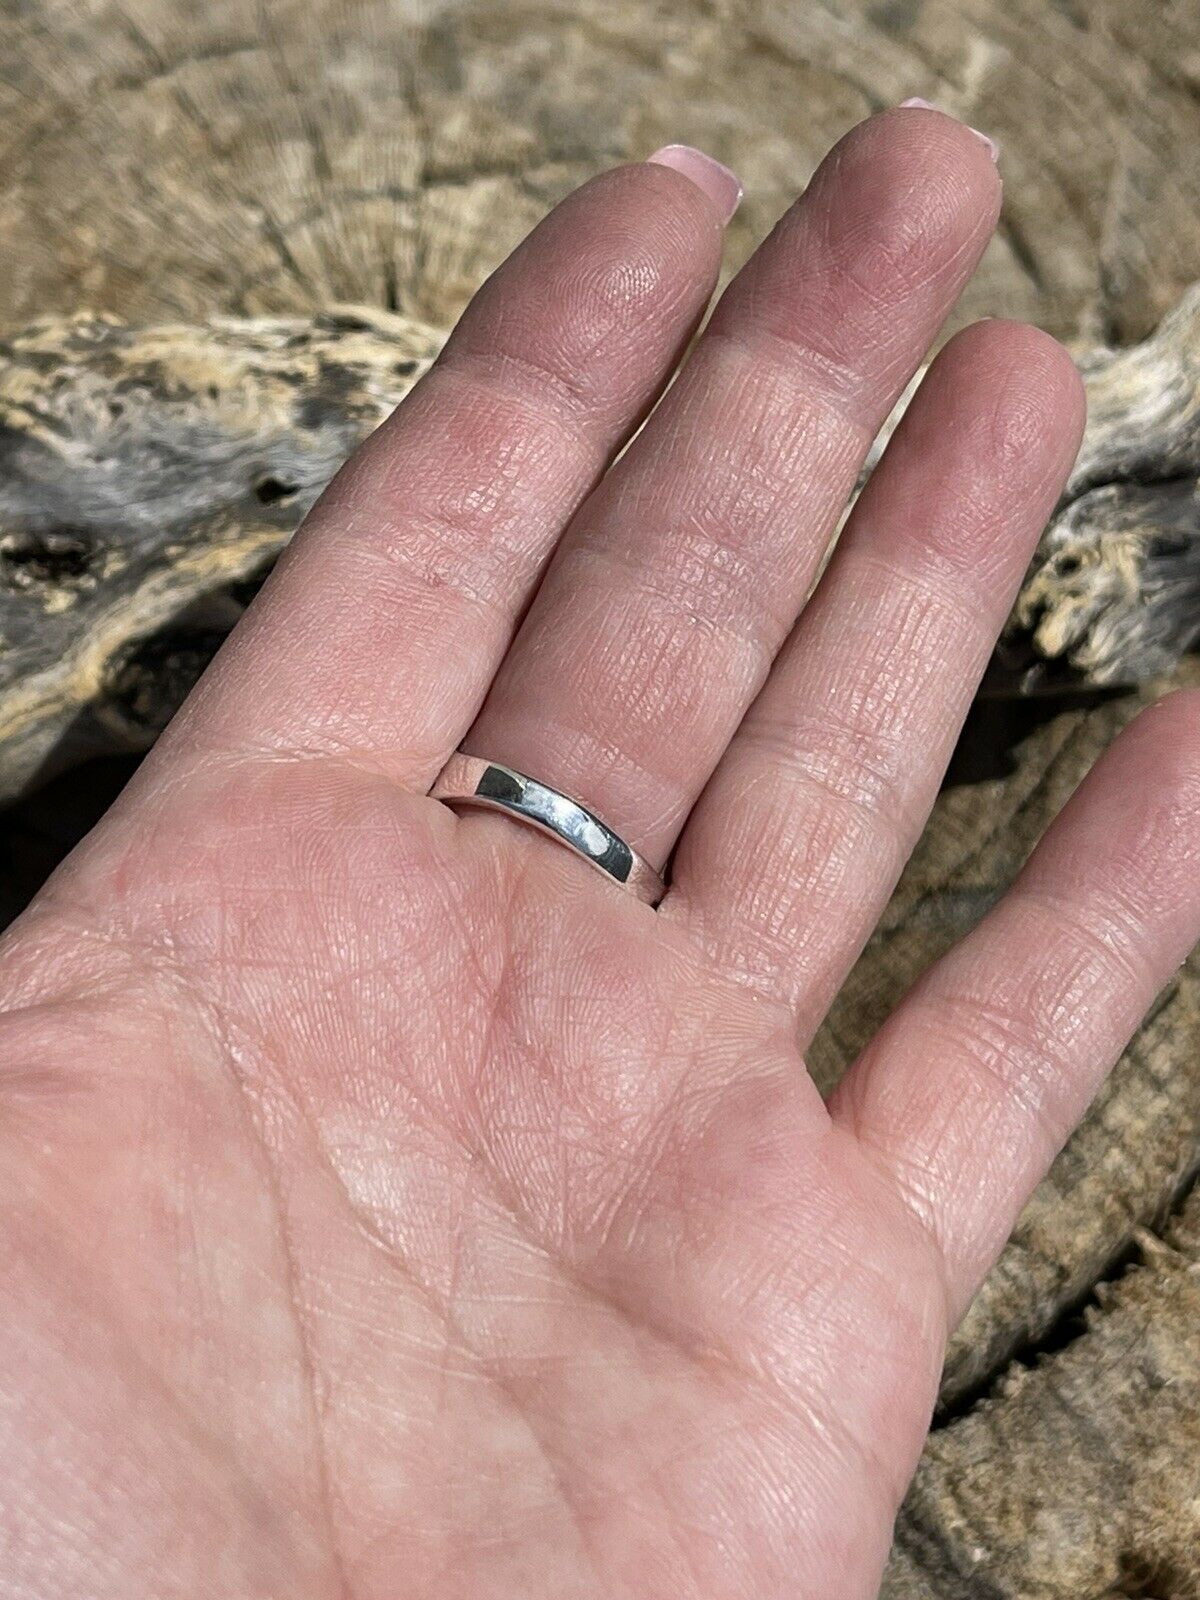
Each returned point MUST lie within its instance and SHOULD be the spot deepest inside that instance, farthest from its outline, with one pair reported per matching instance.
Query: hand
(395, 1207)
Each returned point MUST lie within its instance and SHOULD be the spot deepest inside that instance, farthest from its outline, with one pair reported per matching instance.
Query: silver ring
(470, 781)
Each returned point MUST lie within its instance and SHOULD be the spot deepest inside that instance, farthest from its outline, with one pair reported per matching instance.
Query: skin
(391, 1206)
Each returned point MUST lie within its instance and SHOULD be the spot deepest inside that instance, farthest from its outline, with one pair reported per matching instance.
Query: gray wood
(1113, 597)
(144, 475)
(146, 472)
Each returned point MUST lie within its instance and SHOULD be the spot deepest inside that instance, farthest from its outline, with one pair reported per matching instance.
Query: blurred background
(163, 159)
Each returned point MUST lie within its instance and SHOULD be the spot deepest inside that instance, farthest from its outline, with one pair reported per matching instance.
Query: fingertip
(720, 186)
(908, 199)
(1052, 371)
(1041, 356)
(920, 138)
(915, 103)
(644, 200)
(1024, 381)
(864, 266)
(610, 284)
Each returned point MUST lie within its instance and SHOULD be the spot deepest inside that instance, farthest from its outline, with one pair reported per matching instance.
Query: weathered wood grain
(1113, 596)
(162, 160)
(1139, 1145)
(145, 471)
(144, 474)
(1078, 1479)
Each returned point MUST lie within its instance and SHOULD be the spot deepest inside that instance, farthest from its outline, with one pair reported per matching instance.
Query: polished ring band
(470, 781)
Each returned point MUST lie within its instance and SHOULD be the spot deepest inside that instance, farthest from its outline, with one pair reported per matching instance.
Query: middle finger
(683, 573)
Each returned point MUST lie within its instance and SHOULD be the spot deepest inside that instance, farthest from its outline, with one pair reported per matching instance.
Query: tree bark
(1113, 596)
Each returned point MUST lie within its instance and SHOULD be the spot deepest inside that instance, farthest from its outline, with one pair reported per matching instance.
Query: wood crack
(1072, 1319)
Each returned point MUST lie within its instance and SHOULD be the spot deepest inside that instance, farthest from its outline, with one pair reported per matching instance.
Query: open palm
(394, 1207)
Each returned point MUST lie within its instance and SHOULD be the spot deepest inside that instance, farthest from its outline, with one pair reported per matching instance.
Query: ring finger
(683, 572)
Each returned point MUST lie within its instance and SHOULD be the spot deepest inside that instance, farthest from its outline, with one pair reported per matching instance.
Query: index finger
(381, 628)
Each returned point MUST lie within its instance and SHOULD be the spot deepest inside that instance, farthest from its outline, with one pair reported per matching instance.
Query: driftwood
(186, 191)
(1080, 1475)
(146, 474)
(1114, 594)
(1078, 1479)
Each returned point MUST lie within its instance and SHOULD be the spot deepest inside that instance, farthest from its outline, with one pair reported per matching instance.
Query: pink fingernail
(993, 149)
(723, 188)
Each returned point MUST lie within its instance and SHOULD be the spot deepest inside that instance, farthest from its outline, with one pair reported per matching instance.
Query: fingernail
(723, 188)
(993, 149)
